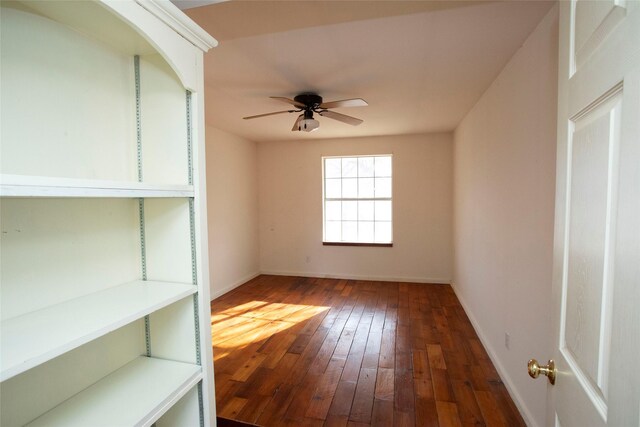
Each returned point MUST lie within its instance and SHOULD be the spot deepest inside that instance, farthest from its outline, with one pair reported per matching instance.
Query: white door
(597, 223)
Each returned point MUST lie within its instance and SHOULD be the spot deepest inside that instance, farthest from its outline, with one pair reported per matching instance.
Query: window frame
(326, 242)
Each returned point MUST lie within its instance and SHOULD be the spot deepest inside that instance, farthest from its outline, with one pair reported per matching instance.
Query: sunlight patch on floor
(255, 321)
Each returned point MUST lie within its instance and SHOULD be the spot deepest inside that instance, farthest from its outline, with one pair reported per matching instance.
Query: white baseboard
(440, 281)
(219, 292)
(504, 375)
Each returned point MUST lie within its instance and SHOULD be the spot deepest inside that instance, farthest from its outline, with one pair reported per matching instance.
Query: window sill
(381, 245)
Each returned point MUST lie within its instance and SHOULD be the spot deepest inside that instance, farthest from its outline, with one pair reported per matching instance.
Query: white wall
(504, 178)
(290, 206)
(232, 203)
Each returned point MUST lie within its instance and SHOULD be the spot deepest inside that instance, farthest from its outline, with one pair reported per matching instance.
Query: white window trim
(356, 199)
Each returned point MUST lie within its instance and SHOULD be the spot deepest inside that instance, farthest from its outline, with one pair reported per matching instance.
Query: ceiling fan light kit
(306, 122)
(310, 103)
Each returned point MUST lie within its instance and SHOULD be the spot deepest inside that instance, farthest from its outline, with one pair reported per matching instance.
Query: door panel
(597, 245)
(592, 22)
(586, 322)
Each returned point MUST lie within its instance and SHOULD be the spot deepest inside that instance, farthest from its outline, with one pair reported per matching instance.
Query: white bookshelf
(104, 279)
(25, 343)
(146, 387)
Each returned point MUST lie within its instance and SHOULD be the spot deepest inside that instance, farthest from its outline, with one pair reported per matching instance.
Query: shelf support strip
(194, 267)
(143, 249)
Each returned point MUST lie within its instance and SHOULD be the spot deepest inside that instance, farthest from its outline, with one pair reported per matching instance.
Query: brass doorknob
(536, 369)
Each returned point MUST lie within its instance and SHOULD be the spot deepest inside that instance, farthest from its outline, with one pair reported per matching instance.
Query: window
(357, 200)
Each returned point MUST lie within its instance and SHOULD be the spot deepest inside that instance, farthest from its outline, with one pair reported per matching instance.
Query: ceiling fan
(309, 103)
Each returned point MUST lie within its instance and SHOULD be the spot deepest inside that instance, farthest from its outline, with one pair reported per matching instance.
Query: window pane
(383, 166)
(365, 211)
(383, 187)
(349, 167)
(365, 187)
(383, 210)
(332, 188)
(383, 232)
(350, 211)
(332, 168)
(349, 231)
(365, 166)
(332, 231)
(350, 188)
(332, 211)
(365, 231)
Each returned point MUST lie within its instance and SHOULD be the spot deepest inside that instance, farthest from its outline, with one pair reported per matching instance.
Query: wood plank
(276, 377)
(426, 412)
(382, 413)
(328, 346)
(253, 408)
(227, 387)
(323, 395)
(356, 353)
(252, 384)
(490, 409)
(277, 350)
(231, 408)
(457, 369)
(336, 421)
(436, 358)
(299, 344)
(303, 363)
(344, 343)
(423, 389)
(421, 365)
(247, 368)
(476, 376)
(404, 397)
(302, 398)
(385, 382)
(387, 349)
(343, 398)
(442, 386)
(363, 400)
(372, 350)
(448, 414)
(468, 408)
(504, 402)
(403, 419)
(274, 412)
(226, 422)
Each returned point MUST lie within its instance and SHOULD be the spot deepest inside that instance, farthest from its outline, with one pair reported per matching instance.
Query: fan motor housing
(311, 100)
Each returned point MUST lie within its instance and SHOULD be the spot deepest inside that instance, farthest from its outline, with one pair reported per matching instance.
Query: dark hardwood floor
(292, 351)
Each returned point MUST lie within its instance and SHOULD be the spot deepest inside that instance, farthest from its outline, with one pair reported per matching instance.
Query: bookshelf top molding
(168, 13)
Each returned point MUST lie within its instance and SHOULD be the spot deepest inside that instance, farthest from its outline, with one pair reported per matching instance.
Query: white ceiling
(421, 65)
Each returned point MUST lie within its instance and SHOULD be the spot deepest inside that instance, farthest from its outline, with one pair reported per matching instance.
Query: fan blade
(355, 102)
(289, 101)
(341, 117)
(268, 114)
(297, 123)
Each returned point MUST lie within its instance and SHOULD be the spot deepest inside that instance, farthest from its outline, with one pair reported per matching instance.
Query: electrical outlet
(507, 340)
